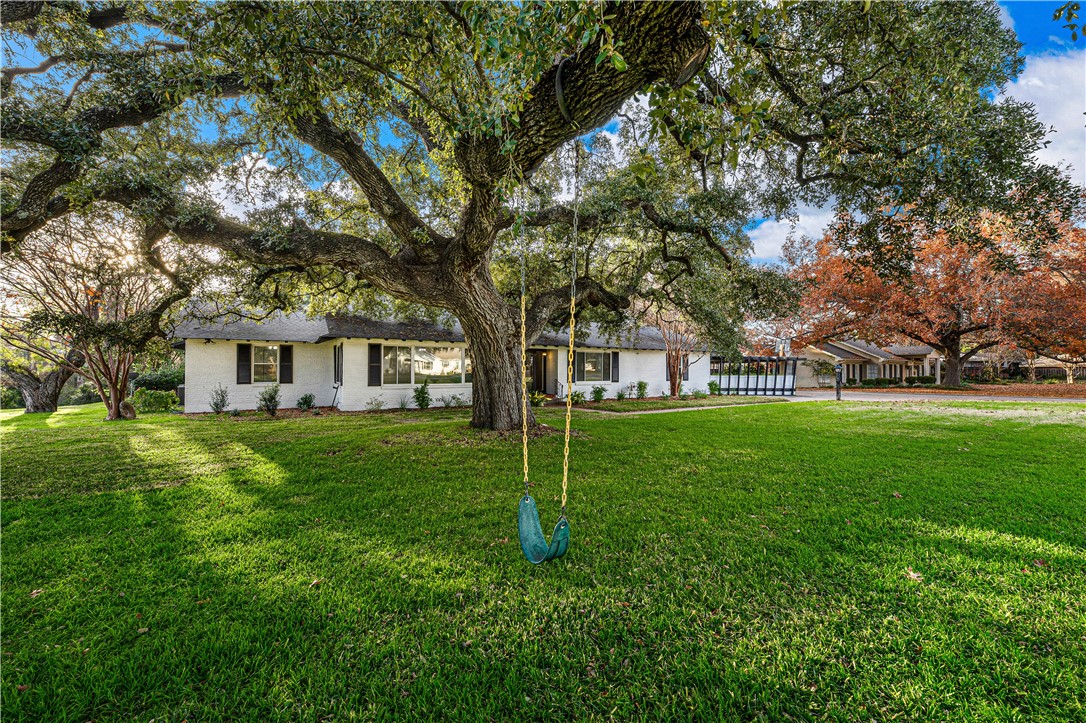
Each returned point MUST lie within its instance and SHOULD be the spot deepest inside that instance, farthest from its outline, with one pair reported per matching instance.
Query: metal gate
(767, 376)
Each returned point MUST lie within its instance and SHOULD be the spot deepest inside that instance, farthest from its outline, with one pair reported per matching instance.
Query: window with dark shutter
(614, 366)
(375, 365)
(578, 366)
(337, 364)
(245, 361)
(286, 364)
(686, 367)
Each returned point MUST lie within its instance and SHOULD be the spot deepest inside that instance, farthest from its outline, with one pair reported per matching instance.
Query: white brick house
(347, 362)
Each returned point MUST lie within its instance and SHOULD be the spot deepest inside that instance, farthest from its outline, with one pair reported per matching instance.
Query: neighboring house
(860, 360)
(347, 362)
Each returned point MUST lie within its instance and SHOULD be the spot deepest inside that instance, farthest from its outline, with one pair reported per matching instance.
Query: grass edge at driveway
(870, 561)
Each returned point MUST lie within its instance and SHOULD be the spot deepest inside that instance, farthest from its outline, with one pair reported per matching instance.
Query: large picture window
(420, 364)
(439, 365)
(397, 365)
(265, 363)
(594, 366)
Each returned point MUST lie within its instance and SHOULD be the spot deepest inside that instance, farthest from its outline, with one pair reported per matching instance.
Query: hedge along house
(352, 362)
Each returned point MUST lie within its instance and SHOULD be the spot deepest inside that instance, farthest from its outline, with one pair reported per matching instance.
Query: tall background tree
(409, 131)
(86, 295)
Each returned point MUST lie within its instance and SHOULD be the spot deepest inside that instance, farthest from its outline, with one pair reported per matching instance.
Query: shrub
(620, 394)
(404, 403)
(375, 404)
(598, 393)
(537, 398)
(714, 388)
(235, 412)
(220, 397)
(460, 401)
(850, 382)
(700, 394)
(642, 390)
(268, 401)
(867, 383)
(165, 379)
(306, 402)
(11, 398)
(422, 395)
(577, 397)
(446, 400)
(920, 380)
(85, 393)
(154, 400)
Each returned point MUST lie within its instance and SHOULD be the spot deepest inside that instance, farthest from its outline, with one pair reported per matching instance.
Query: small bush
(404, 403)
(165, 379)
(850, 382)
(578, 397)
(446, 401)
(714, 388)
(153, 400)
(869, 383)
(85, 393)
(375, 404)
(700, 394)
(11, 398)
(422, 395)
(598, 393)
(920, 380)
(235, 412)
(642, 390)
(459, 400)
(269, 400)
(220, 397)
(537, 398)
(306, 402)
(620, 394)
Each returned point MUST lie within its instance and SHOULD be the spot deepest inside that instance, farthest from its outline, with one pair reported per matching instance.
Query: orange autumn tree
(952, 296)
(1048, 314)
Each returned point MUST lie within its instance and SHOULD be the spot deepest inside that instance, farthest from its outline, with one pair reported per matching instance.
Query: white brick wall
(208, 364)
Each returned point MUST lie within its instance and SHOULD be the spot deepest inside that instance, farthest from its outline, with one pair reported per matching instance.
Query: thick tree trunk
(493, 335)
(952, 374)
(40, 393)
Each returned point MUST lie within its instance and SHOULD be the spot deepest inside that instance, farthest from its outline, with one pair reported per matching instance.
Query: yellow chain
(524, 389)
(569, 400)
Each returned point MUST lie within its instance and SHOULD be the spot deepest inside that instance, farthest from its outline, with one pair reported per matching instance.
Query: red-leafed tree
(953, 298)
(1048, 314)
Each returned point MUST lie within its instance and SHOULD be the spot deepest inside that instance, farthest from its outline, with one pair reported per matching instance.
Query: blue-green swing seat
(532, 543)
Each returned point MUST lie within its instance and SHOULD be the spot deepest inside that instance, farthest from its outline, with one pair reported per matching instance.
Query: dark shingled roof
(298, 328)
(868, 348)
(917, 350)
(278, 327)
(838, 351)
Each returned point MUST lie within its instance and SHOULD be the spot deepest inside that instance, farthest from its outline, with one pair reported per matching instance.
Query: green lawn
(920, 561)
(646, 405)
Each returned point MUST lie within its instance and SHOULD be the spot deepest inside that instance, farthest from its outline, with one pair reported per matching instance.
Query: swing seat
(534, 545)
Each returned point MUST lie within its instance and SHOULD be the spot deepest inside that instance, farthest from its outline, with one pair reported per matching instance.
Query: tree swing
(532, 542)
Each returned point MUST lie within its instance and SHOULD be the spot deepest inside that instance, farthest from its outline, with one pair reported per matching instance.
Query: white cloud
(1056, 84)
(1005, 17)
(768, 239)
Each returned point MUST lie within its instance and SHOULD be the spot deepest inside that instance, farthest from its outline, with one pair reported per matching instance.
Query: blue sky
(1054, 80)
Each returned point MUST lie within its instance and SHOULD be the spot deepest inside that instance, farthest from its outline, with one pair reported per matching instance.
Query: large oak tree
(434, 114)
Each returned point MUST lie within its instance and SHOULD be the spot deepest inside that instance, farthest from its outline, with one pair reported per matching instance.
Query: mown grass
(779, 561)
(646, 405)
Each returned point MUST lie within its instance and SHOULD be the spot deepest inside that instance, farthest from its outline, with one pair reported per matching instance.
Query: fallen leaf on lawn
(316, 582)
(141, 631)
(914, 575)
(898, 495)
(22, 688)
(1041, 563)
(139, 615)
(35, 593)
(204, 601)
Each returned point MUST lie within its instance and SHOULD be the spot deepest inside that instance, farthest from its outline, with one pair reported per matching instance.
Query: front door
(537, 370)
